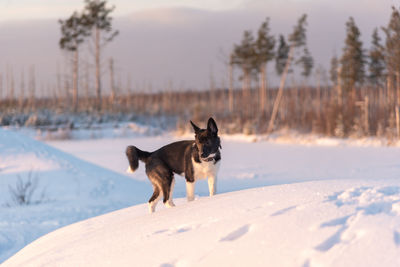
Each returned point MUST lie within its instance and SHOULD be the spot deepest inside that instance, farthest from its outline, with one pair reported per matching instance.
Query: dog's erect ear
(195, 128)
(212, 126)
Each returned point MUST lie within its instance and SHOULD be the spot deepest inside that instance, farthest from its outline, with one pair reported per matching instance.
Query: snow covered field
(307, 206)
(67, 190)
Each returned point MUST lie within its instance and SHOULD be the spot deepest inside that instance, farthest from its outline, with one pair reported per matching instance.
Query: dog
(193, 159)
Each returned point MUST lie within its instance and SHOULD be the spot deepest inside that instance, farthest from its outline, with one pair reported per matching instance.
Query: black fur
(176, 158)
(134, 154)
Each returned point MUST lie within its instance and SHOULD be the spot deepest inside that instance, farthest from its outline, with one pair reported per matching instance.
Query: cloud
(185, 46)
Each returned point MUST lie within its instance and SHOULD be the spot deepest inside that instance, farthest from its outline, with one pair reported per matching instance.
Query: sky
(179, 44)
(42, 9)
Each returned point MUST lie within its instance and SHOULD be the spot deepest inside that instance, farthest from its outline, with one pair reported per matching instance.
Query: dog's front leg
(212, 185)
(190, 190)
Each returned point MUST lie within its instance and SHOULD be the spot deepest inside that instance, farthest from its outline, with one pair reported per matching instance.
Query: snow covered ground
(252, 164)
(67, 190)
(305, 205)
(329, 223)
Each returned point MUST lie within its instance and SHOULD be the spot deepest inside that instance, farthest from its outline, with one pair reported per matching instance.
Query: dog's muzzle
(210, 157)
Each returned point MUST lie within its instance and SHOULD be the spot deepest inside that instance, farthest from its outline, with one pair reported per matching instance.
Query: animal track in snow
(236, 234)
(396, 237)
(370, 201)
(365, 201)
(282, 211)
(176, 230)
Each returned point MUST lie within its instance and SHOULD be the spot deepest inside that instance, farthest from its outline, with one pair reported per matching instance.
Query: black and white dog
(195, 159)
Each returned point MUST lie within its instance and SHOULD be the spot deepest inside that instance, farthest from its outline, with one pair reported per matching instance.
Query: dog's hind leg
(167, 190)
(170, 203)
(154, 198)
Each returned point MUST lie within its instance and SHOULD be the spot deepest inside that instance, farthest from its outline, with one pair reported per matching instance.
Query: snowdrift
(319, 223)
(66, 190)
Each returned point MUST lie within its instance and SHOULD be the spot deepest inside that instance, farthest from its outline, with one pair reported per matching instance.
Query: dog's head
(207, 140)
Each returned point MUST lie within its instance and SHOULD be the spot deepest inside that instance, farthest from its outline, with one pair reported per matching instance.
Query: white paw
(129, 170)
(169, 204)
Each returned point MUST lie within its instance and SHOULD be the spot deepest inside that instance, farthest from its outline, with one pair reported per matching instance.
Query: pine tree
(377, 60)
(281, 55)
(353, 58)
(264, 46)
(244, 56)
(97, 18)
(306, 62)
(73, 34)
(392, 46)
(297, 39)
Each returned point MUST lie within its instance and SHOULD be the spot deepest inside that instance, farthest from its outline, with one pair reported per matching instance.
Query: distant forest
(362, 99)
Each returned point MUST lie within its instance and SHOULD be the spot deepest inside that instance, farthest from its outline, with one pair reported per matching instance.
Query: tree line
(94, 22)
(362, 99)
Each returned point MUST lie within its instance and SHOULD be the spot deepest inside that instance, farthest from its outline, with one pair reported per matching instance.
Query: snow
(252, 164)
(278, 205)
(329, 223)
(68, 190)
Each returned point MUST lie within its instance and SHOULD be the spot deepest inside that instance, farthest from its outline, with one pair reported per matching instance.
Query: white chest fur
(205, 169)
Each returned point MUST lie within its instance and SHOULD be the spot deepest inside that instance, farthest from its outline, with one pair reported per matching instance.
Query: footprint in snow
(175, 230)
(396, 237)
(236, 234)
(283, 211)
(332, 240)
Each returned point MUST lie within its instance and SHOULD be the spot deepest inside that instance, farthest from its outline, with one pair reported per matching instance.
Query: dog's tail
(134, 154)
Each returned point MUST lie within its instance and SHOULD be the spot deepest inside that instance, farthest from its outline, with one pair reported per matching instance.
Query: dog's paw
(169, 204)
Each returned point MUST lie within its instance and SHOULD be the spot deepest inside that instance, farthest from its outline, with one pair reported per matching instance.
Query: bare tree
(97, 18)
(73, 33)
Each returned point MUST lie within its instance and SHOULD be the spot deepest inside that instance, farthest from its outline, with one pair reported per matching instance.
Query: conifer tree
(377, 60)
(73, 34)
(306, 62)
(297, 39)
(97, 18)
(353, 58)
(264, 46)
(244, 56)
(281, 55)
(392, 47)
